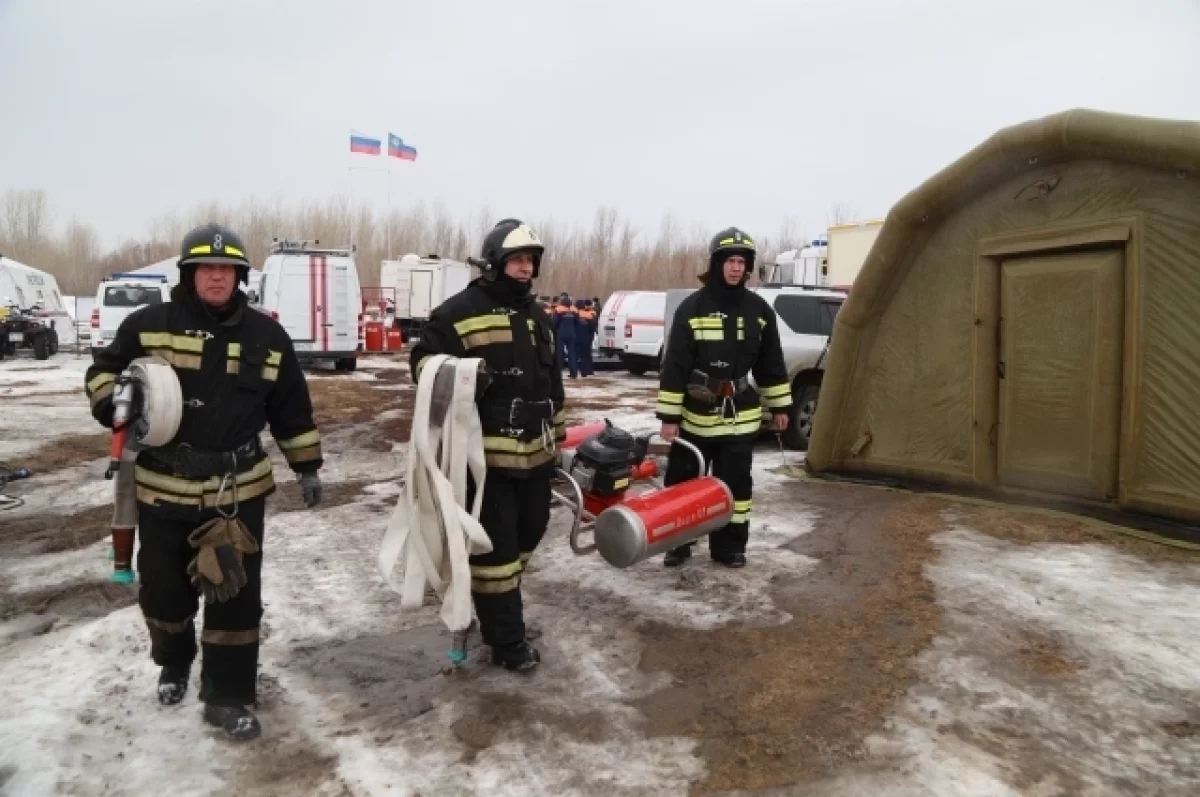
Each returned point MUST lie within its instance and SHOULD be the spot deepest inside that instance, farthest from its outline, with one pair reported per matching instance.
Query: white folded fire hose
(432, 530)
(152, 383)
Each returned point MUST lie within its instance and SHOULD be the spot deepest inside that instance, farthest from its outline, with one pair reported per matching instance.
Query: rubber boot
(519, 657)
(238, 722)
(172, 685)
(677, 556)
(730, 559)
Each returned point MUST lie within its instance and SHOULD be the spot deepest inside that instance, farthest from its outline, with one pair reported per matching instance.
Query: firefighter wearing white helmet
(721, 336)
(497, 319)
(201, 497)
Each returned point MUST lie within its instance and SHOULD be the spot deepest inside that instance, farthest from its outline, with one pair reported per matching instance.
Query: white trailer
(849, 245)
(420, 284)
(804, 266)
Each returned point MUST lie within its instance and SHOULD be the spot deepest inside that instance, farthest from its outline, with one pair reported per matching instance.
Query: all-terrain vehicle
(21, 329)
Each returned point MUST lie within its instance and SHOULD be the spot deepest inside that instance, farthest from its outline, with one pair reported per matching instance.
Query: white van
(117, 298)
(631, 327)
(314, 293)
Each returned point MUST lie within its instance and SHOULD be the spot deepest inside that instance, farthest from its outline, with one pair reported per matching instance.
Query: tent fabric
(1085, 228)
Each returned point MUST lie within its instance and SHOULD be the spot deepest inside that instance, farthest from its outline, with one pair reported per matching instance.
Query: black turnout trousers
(515, 513)
(730, 461)
(169, 603)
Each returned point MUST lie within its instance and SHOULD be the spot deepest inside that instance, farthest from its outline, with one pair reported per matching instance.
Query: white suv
(805, 323)
(117, 297)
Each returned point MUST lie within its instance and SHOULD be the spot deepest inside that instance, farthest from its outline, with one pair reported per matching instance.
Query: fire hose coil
(161, 400)
(432, 531)
(152, 382)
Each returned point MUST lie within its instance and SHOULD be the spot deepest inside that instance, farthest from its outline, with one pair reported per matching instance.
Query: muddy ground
(815, 696)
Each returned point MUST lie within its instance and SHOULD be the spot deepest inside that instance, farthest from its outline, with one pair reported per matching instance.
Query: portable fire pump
(600, 465)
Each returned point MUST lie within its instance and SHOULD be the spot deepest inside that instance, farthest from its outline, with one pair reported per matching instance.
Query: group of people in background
(575, 327)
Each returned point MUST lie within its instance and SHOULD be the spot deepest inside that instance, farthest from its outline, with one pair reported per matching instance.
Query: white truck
(420, 284)
(313, 292)
(831, 261)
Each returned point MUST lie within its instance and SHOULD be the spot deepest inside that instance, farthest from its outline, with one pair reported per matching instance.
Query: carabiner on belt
(228, 479)
(728, 409)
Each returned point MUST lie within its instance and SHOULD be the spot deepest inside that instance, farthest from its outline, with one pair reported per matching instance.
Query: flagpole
(350, 210)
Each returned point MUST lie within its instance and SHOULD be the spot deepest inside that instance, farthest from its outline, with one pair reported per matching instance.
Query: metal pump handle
(584, 520)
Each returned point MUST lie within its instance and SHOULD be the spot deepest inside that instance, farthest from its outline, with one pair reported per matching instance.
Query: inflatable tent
(1029, 320)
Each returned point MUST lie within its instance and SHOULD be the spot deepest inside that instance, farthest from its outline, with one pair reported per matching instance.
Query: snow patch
(26, 424)
(89, 723)
(63, 492)
(382, 364)
(981, 721)
(20, 379)
(28, 574)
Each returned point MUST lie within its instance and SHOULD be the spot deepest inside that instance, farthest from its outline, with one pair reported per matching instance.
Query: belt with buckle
(721, 392)
(712, 391)
(518, 411)
(190, 463)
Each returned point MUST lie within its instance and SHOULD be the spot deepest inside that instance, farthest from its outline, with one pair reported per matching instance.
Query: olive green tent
(1029, 320)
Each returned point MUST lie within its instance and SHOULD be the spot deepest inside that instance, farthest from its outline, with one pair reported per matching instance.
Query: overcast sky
(723, 112)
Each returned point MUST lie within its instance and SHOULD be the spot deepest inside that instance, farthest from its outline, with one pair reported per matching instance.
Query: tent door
(1061, 346)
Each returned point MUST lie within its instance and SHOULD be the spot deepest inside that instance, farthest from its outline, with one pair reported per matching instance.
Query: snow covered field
(41, 400)
(1050, 668)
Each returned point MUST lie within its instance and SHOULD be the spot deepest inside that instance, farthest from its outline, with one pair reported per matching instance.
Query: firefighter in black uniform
(521, 410)
(238, 372)
(721, 336)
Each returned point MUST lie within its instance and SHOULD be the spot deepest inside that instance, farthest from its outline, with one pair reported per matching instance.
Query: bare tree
(791, 234)
(842, 213)
(12, 214)
(78, 270)
(26, 218)
(597, 258)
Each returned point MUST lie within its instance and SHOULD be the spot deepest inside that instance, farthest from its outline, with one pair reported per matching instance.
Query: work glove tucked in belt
(310, 486)
(217, 569)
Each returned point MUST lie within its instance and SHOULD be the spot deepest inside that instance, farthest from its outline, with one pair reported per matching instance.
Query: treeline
(609, 254)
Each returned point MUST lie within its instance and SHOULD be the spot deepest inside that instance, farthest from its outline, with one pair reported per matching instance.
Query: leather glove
(310, 487)
(217, 569)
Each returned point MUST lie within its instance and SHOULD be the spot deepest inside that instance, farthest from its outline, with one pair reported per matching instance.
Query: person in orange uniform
(564, 327)
(585, 333)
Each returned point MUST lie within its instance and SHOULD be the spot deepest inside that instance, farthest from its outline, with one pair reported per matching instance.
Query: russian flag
(364, 144)
(398, 149)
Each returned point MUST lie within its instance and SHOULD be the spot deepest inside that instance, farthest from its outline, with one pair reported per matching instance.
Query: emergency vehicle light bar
(309, 248)
(135, 276)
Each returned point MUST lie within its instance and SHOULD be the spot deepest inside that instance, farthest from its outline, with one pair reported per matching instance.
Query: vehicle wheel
(41, 346)
(347, 364)
(637, 369)
(53, 342)
(799, 429)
